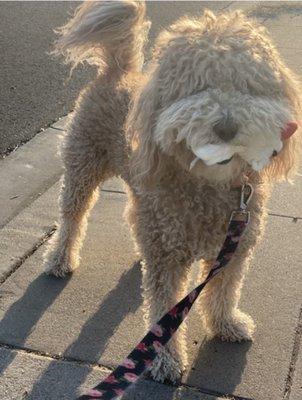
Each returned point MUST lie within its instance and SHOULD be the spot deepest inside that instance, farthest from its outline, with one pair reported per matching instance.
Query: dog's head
(218, 101)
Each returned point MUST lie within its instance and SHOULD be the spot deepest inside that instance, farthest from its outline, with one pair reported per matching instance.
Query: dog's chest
(188, 217)
(207, 219)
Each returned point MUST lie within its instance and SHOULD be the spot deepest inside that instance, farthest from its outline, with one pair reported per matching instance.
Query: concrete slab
(33, 377)
(110, 258)
(283, 35)
(91, 316)
(271, 295)
(291, 57)
(21, 235)
(27, 173)
(286, 199)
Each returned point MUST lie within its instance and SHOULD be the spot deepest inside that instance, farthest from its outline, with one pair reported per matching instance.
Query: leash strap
(142, 357)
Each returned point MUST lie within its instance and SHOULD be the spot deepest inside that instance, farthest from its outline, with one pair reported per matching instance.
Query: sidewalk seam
(106, 369)
(295, 219)
(50, 231)
(227, 396)
(35, 196)
(294, 357)
(55, 357)
(57, 129)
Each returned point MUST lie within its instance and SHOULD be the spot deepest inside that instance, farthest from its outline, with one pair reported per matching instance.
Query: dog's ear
(286, 164)
(147, 158)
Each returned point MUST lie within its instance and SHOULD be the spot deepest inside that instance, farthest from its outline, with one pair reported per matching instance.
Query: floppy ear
(286, 164)
(146, 160)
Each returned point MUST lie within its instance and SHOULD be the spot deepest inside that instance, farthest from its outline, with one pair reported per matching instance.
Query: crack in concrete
(227, 396)
(294, 219)
(55, 357)
(28, 254)
(294, 358)
(113, 191)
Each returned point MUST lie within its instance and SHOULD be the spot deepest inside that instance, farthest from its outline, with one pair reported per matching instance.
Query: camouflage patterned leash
(142, 357)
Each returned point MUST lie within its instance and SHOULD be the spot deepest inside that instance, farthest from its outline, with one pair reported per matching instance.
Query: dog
(215, 106)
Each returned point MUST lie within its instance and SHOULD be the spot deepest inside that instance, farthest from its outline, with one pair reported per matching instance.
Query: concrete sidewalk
(58, 336)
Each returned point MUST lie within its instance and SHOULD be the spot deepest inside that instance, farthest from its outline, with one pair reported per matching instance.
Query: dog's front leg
(220, 298)
(219, 302)
(164, 284)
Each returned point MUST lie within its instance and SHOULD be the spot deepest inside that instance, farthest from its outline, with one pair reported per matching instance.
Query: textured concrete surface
(91, 317)
(26, 174)
(20, 236)
(65, 380)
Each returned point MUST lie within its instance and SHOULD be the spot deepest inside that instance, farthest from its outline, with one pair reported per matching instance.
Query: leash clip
(242, 214)
(247, 191)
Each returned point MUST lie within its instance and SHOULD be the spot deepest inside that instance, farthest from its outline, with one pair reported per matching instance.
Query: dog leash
(142, 357)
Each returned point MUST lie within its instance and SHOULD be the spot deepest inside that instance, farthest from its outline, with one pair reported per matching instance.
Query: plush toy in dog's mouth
(258, 157)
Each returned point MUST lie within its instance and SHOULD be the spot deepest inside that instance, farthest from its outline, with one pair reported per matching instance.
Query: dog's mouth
(224, 162)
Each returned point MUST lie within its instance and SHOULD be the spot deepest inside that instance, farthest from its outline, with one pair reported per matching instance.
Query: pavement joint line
(227, 396)
(294, 358)
(47, 185)
(55, 357)
(28, 254)
(106, 369)
(228, 5)
(57, 129)
(113, 191)
(294, 219)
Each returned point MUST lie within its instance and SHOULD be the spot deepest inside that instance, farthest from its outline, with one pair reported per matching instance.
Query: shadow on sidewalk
(22, 316)
(219, 366)
(92, 339)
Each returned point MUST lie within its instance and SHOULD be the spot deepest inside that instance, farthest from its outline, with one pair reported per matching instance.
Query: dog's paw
(166, 368)
(58, 266)
(236, 329)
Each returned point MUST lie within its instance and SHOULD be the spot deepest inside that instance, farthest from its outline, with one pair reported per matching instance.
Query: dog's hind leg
(86, 166)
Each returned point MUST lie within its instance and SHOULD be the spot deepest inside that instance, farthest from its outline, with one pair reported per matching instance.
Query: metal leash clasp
(242, 214)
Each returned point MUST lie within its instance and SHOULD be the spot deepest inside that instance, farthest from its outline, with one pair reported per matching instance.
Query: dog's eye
(225, 161)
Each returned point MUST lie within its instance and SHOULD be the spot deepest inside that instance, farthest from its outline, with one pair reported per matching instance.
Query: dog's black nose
(275, 153)
(226, 129)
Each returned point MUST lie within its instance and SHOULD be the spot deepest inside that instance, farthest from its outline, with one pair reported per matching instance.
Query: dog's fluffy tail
(105, 33)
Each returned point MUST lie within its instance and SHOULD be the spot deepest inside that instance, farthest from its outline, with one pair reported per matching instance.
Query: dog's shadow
(91, 342)
(217, 370)
(218, 367)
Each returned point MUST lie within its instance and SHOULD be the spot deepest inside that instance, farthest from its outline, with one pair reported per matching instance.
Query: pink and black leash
(142, 357)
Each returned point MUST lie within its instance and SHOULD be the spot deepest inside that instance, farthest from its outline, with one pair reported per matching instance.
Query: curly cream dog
(212, 81)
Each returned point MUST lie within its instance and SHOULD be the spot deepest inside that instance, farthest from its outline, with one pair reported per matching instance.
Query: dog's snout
(226, 128)
(275, 153)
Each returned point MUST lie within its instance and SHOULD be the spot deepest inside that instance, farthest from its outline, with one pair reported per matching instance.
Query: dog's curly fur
(140, 126)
